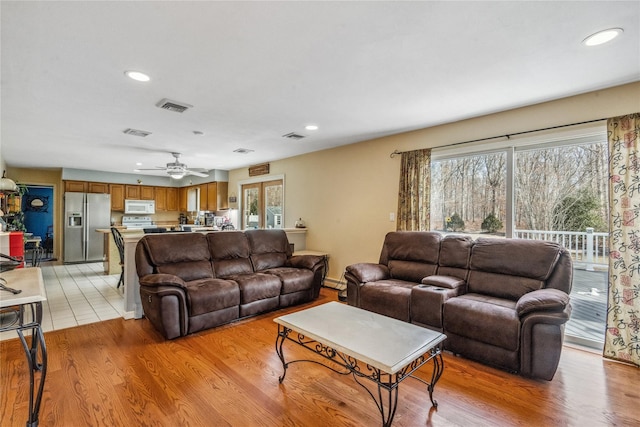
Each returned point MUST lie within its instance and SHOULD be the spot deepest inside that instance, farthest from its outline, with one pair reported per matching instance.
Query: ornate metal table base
(36, 351)
(389, 383)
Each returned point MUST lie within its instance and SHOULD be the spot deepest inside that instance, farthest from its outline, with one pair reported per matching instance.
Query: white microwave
(139, 206)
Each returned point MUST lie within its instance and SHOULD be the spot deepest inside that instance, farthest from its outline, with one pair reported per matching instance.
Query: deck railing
(585, 246)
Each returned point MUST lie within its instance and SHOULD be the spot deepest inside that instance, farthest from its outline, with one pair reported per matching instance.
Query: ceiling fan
(177, 170)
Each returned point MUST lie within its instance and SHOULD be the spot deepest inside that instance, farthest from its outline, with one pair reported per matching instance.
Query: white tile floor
(77, 294)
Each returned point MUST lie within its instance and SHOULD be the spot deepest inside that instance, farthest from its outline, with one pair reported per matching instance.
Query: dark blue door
(37, 205)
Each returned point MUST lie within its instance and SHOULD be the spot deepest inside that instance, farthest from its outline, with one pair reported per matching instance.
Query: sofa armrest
(160, 279)
(542, 300)
(447, 282)
(368, 272)
(310, 262)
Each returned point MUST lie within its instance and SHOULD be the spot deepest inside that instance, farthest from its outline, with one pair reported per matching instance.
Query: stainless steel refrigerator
(84, 213)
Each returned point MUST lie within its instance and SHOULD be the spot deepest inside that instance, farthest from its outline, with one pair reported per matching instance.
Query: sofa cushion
(419, 246)
(166, 253)
(410, 270)
(257, 286)
(388, 297)
(534, 259)
(208, 295)
(483, 318)
(501, 285)
(293, 279)
(269, 248)
(455, 251)
(229, 253)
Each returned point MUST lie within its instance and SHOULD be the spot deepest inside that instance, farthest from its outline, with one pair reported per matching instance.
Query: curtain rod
(508, 136)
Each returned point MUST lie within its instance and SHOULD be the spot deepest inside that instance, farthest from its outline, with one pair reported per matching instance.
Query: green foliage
(253, 207)
(578, 211)
(456, 223)
(491, 223)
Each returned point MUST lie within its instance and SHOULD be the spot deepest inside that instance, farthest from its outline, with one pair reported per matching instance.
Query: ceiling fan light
(176, 174)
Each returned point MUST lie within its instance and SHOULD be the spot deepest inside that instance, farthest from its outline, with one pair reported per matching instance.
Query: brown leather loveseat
(194, 281)
(503, 302)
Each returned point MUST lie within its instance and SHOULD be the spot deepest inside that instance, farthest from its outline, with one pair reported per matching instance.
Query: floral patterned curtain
(414, 192)
(622, 337)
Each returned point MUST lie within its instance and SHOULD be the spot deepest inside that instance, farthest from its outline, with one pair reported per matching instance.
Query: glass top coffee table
(366, 345)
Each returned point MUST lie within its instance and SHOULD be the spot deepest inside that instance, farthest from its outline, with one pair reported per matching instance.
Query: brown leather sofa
(503, 302)
(194, 281)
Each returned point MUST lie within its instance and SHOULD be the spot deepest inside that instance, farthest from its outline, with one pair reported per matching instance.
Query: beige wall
(52, 177)
(345, 194)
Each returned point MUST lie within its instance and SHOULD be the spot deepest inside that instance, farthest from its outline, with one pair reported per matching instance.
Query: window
(467, 192)
(263, 204)
(551, 187)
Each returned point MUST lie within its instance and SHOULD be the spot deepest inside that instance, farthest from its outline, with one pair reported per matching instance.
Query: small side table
(23, 312)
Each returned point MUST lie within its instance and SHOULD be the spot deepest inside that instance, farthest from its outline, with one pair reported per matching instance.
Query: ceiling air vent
(243, 151)
(178, 107)
(136, 132)
(293, 135)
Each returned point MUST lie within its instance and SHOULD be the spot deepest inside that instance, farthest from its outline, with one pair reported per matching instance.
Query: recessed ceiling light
(137, 75)
(602, 37)
(138, 164)
(311, 127)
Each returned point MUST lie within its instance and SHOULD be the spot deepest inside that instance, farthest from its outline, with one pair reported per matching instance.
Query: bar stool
(117, 237)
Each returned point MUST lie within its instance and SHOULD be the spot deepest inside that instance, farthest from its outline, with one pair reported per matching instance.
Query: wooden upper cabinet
(146, 192)
(212, 197)
(172, 199)
(76, 186)
(161, 198)
(132, 192)
(182, 199)
(117, 197)
(99, 187)
(203, 197)
(223, 195)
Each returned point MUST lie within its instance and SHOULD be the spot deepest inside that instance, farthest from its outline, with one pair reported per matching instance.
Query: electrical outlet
(392, 216)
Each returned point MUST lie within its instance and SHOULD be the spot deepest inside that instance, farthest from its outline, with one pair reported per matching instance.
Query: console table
(22, 312)
(391, 350)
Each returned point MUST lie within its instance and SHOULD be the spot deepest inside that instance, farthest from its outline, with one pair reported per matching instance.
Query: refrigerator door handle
(85, 228)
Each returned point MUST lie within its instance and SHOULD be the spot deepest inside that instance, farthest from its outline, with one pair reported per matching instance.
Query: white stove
(137, 222)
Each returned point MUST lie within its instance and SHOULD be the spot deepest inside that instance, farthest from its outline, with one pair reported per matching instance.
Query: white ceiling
(255, 71)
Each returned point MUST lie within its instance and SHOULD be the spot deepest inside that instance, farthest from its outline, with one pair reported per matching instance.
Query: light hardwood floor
(122, 373)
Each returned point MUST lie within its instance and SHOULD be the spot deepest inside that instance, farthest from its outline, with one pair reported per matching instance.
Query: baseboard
(338, 284)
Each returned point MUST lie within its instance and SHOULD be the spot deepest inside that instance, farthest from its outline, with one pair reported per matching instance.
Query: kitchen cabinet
(146, 192)
(132, 192)
(98, 187)
(172, 199)
(76, 186)
(182, 199)
(203, 197)
(216, 196)
(117, 197)
(161, 199)
(223, 195)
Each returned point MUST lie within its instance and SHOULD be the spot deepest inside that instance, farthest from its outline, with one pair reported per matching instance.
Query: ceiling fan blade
(196, 173)
(157, 168)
